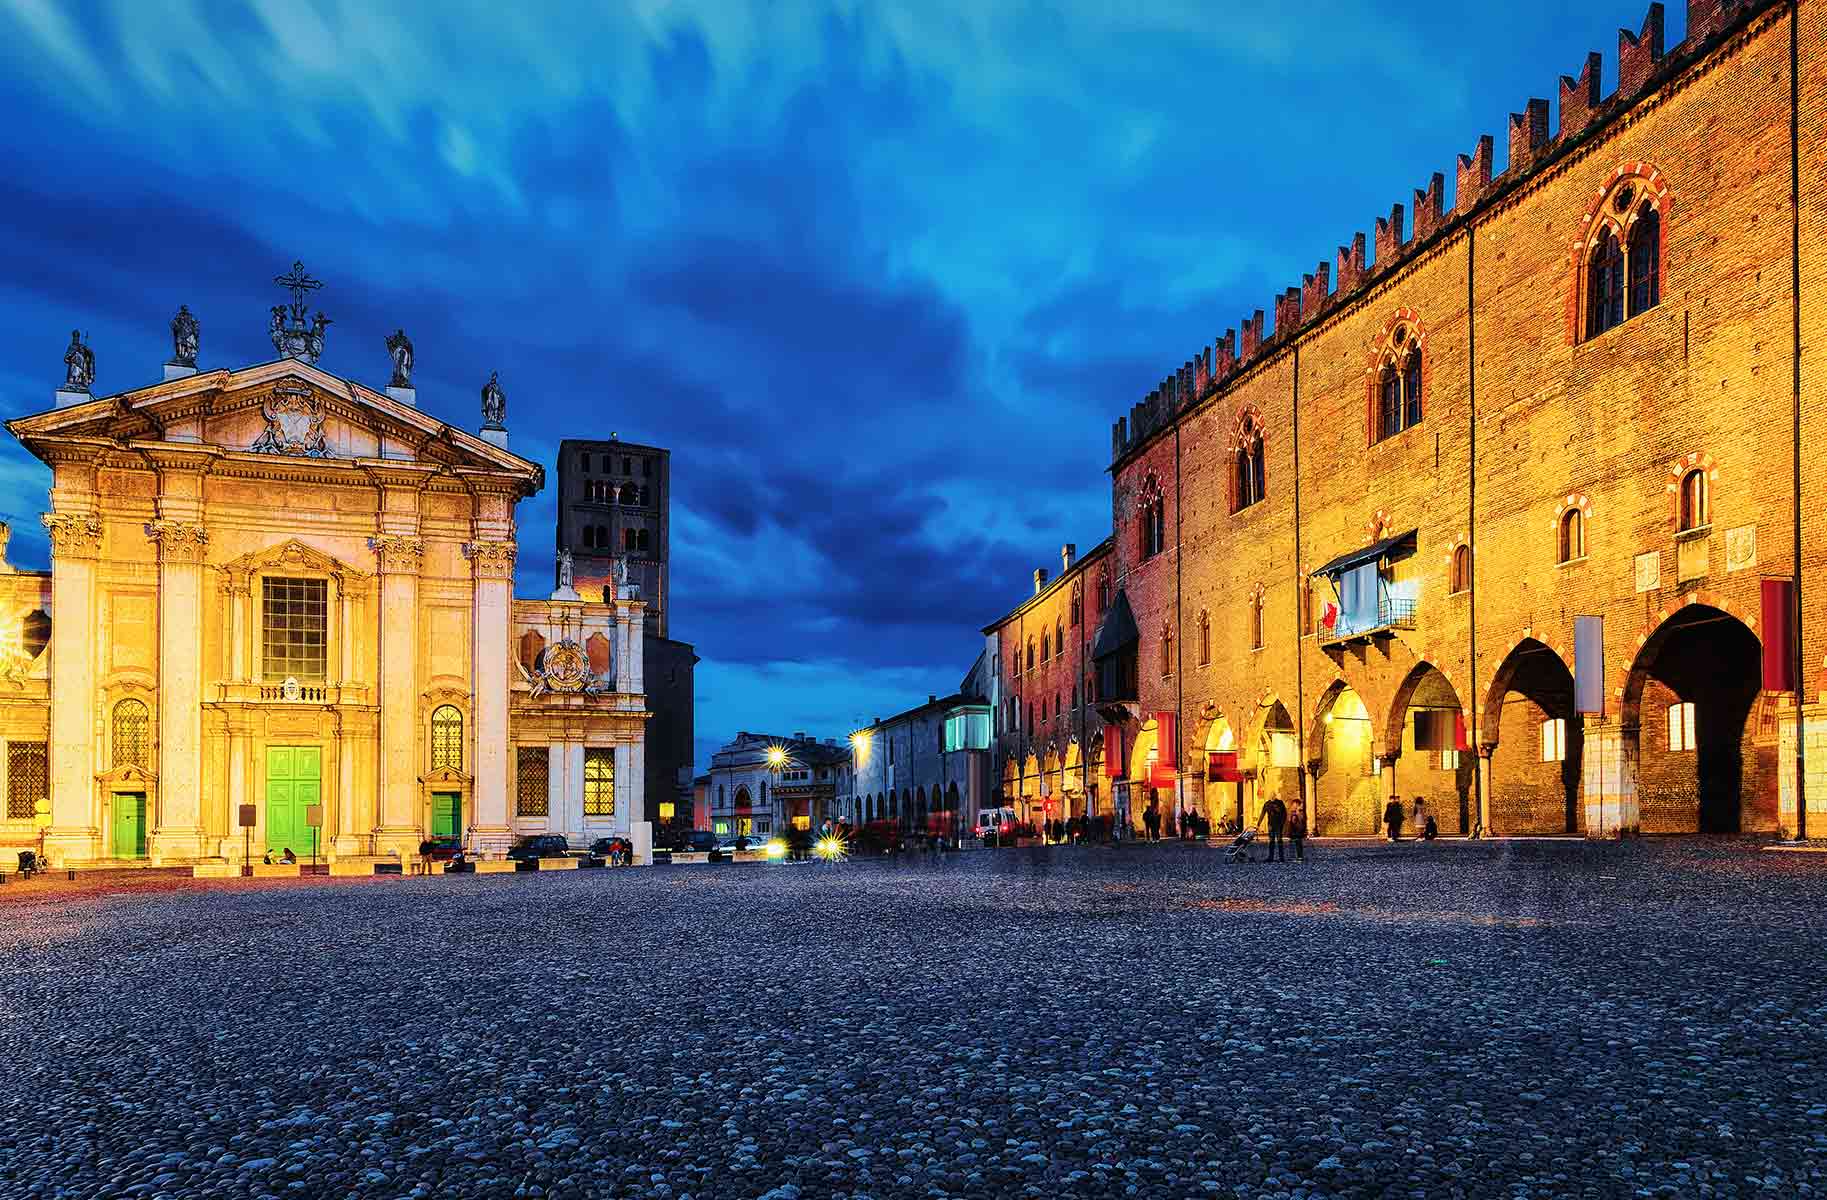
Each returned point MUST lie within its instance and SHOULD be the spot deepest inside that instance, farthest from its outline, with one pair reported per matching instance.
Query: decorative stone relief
(1741, 548)
(398, 553)
(1649, 571)
(73, 536)
(179, 541)
(294, 424)
(491, 559)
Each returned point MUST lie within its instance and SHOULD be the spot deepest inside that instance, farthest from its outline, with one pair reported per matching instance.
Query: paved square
(1450, 1020)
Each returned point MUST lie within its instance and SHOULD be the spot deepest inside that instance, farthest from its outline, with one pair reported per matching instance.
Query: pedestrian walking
(1392, 819)
(1151, 821)
(1419, 820)
(1275, 814)
(1297, 828)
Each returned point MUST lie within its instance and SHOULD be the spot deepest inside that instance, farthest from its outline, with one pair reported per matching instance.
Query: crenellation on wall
(1252, 336)
(1287, 312)
(1639, 53)
(1389, 239)
(1472, 178)
(1315, 290)
(1429, 208)
(1529, 140)
(1579, 99)
(1351, 264)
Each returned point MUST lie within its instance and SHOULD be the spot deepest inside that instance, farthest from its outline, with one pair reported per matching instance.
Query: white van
(994, 825)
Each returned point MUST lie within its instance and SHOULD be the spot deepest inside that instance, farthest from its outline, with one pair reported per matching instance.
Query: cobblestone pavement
(1450, 1020)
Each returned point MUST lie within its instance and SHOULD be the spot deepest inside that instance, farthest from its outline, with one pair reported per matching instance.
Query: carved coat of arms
(563, 667)
(294, 425)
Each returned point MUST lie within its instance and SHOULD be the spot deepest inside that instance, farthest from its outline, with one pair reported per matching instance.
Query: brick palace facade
(1347, 552)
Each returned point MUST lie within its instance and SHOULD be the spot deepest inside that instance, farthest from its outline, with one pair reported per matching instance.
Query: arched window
(640, 541)
(1059, 636)
(1573, 535)
(1030, 654)
(1399, 383)
(627, 540)
(589, 536)
(1605, 306)
(446, 738)
(584, 463)
(1046, 641)
(630, 494)
(602, 538)
(1694, 509)
(1462, 568)
(1103, 590)
(1256, 621)
(1645, 260)
(1248, 463)
(1154, 519)
(1167, 651)
(1205, 639)
(130, 725)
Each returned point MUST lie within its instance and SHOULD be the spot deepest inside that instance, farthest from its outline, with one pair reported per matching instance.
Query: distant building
(927, 768)
(763, 784)
(615, 502)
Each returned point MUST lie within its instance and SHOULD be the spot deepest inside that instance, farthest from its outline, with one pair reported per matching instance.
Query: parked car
(694, 840)
(539, 845)
(616, 851)
(726, 850)
(996, 826)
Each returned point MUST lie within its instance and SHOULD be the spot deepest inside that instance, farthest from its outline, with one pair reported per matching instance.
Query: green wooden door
(294, 781)
(447, 814)
(129, 832)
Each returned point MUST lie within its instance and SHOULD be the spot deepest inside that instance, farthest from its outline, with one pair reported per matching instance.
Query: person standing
(1275, 815)
(1151, 821)
(1392, 818)
(1418, 822)
(1297, 828)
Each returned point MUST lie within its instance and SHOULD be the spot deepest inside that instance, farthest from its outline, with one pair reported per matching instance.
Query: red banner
(1459, 740)
(1113, 752)
(1221, 767)
(1161, 776)
(1779, 635)
(1167, 741)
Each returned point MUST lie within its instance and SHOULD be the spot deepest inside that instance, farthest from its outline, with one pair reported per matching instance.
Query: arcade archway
(1347, 801)
(1536, 742)
(1688, 695)
(1435, 762)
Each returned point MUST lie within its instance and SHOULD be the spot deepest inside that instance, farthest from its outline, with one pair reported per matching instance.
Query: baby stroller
(1239, 849)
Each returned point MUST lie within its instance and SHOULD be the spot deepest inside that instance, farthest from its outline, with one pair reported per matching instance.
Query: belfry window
(294, 624)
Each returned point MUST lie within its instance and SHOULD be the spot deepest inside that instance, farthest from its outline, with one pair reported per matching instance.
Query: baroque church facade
(280, 613)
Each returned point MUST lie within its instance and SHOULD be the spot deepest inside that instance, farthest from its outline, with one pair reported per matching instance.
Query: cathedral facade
(280, 613)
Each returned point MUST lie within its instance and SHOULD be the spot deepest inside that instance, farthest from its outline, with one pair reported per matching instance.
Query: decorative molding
(291, 555)
(73, 535)
(399, 554)
(493, 559)
(179, 541)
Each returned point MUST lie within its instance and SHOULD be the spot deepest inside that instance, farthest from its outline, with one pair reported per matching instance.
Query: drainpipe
(1479, 761)
(1795, 316)
(1304, 608)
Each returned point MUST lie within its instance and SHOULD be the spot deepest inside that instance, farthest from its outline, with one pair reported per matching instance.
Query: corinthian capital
(179, 541)
(399, 554)
(73, 536)
(491, 559)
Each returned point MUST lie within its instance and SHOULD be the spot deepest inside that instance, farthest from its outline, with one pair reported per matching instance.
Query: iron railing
(1392, 613)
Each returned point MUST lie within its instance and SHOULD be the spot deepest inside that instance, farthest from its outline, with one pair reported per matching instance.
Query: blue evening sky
(880, 275)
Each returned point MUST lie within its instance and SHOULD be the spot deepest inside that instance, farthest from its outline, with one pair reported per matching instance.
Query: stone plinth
(558, 864)
(178, 371)
(496, 866)
(277, 870)
(404, 395)
(215, 870)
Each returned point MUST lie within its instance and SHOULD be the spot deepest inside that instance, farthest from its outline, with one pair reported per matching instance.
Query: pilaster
(74, 833)
(400, 558)
(492, 563)
(177, 832)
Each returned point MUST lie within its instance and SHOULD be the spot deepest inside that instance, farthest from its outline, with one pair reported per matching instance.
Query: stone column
(1608, 778)
(177, 833)
(74, 834)
(235, 603)
(238, 793)
(493, 565)
(400, 557)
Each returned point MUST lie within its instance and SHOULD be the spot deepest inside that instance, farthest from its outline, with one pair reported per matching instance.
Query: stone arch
(1702, 655)
(1443, 778)
(1347, 795)
(1530, 792)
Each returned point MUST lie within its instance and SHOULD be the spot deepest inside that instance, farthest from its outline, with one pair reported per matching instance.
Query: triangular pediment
(284, 409)
(294, 555)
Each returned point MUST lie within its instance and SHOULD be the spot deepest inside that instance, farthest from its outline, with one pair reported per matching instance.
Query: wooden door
(294, 782)
(128, 833)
